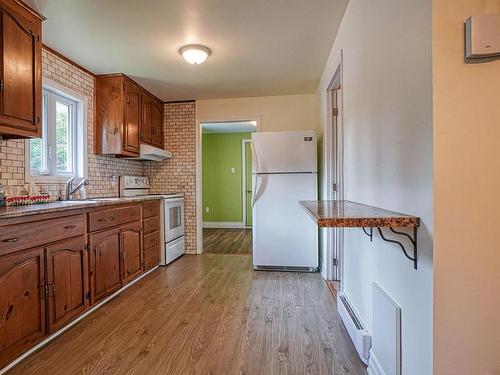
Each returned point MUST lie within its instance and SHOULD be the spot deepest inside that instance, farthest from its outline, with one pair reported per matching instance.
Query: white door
(283, 234)
(282, 152)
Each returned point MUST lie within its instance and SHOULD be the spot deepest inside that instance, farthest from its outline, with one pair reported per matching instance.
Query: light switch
(207, 209)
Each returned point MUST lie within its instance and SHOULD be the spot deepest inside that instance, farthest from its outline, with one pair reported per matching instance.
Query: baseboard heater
(359, 335)
(285, 269)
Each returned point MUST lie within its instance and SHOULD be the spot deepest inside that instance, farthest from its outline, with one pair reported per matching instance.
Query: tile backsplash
(100, 168)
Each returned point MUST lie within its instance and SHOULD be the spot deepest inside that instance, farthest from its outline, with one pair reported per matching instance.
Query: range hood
(152, 153)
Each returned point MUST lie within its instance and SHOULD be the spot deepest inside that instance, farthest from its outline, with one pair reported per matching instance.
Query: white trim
(223, 224)
(374, 366)
(69, 325)
(333, 161)
(244, 180)
(198, 179)
(81, 136)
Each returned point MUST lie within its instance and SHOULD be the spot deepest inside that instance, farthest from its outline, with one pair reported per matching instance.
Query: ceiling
(259, 47)
(229, 127)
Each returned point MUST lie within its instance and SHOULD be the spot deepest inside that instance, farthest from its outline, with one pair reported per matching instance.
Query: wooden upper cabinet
(119, 115)
(133, 116)
(67, 281)
(21, 70)
(147, 119)
(127, 115)
(157, 130)
(22, 302)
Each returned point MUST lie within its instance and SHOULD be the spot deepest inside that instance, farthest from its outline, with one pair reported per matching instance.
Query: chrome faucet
(69, 187)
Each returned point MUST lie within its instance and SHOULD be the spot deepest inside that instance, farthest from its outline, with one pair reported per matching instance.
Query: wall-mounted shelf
(347, 214)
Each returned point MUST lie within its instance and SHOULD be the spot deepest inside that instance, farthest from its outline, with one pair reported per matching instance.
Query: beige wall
(287, 112)
(467, 200)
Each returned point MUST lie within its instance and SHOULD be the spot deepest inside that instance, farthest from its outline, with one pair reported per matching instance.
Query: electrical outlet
(207, 209)
(233, 170)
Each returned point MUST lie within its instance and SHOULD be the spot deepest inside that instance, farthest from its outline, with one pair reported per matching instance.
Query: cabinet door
(105, 270)
(131, 250)
(157, 131)
(151, 250)
(22, 302)
(67, 279)
(20, 85)
(132, 119)
(147, 119)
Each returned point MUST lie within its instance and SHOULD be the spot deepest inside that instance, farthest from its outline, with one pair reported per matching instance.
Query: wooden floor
(227, 241)
(207, 314)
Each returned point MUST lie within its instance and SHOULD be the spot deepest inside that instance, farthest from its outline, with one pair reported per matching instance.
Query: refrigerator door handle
(259, 189)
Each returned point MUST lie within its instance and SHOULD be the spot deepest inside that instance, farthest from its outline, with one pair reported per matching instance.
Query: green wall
(221, 188)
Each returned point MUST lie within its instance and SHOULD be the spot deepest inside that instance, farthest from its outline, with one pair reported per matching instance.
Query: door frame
(334, 168)
(244, 179)
(198, 180)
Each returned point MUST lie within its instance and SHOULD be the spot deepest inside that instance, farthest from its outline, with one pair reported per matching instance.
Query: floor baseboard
(224, 224)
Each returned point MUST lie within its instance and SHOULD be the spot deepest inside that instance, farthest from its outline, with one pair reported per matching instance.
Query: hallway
(227, 241)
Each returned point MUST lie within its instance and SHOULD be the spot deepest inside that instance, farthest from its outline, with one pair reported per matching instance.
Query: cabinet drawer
(151, 225)
(112, 217)
(152, 241)
(26, 235)
(150, 209)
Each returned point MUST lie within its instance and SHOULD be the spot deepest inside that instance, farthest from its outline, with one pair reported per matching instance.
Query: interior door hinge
(334, 187)
(335, 262)
(335, 112)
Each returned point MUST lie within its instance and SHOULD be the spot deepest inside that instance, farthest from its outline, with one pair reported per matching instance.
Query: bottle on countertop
(2, 196)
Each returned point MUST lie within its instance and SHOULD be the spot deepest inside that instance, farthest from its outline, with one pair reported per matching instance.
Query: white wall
(387, 95)
(286, 112)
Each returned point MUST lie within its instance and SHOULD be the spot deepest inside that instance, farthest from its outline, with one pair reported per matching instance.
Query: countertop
(57, 206)
(329, 214)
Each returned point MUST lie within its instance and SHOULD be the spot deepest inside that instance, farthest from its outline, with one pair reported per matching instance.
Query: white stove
(172, 215)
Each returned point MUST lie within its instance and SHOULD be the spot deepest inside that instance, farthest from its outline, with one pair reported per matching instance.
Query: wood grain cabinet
(131, 251)
(21, 70)
(157, 128)
(127, 115)
(147, 119)
(151, 234)
(22, 302)
(105, 264)
(67, 281)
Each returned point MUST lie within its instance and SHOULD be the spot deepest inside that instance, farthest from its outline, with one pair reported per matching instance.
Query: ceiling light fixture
(195, 54)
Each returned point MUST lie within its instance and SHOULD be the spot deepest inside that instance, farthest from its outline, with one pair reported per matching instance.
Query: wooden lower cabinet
(50, 274)
(151, 250)
(67, 281)
(22, 302)
(131, 251)
(105, 265)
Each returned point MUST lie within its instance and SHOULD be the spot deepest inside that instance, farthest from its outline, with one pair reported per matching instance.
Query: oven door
(174, 218)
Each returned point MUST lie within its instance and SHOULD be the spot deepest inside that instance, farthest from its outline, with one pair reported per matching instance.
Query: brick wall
(179, 173)
(100, 168)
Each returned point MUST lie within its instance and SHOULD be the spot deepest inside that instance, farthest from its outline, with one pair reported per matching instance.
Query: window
(58, 155)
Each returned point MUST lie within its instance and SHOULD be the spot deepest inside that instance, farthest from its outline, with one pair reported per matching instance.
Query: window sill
(47, 179)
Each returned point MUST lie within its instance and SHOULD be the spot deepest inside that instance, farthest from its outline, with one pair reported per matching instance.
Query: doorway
(226, 186)
(334, 168)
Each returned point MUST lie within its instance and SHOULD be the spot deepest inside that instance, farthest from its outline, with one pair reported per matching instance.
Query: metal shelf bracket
(369, 234)
(413, 241)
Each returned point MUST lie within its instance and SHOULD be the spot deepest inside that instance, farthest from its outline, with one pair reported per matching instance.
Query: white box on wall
(482, 36)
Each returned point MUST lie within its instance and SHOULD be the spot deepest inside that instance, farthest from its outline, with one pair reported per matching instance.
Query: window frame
(52, 92)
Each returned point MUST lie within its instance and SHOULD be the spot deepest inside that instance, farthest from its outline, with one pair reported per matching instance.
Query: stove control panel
(134, 182)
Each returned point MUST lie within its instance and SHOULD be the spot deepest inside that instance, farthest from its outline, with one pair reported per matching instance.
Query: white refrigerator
(284, 172)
